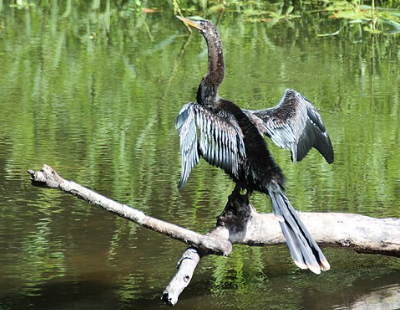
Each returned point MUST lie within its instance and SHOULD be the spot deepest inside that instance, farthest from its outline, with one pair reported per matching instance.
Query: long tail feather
(304, 250)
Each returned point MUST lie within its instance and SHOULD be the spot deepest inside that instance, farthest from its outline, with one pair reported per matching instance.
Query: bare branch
(186, 266)
(49, 177)
(240, 223)
(361, 233)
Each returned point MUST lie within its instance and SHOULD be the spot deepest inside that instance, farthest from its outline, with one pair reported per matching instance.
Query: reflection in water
(101, 111)
(375, 293)
(387, 297)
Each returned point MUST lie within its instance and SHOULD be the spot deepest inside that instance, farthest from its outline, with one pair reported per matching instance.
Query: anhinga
(232, 139)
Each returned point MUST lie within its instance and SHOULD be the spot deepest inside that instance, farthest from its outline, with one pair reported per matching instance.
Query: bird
(232, 139)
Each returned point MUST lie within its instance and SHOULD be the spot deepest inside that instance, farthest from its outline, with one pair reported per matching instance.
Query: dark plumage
(232, 139)
(295, 124)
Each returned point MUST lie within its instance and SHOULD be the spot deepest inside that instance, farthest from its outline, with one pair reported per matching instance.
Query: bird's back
(258, 169)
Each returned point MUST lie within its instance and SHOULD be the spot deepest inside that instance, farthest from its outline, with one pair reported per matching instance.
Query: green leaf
(373, 31)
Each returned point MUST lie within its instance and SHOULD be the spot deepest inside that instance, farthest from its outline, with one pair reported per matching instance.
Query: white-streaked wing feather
(185, 123)
(215, 137)
(294, 124)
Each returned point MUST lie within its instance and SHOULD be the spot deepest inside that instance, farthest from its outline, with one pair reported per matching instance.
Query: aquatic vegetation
(373, 19)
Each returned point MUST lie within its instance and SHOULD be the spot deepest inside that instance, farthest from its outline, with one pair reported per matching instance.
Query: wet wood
(240, 223)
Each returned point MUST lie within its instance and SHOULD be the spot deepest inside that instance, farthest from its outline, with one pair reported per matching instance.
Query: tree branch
(361, 233)
(240, 223)
(48, 177)
(185, 269)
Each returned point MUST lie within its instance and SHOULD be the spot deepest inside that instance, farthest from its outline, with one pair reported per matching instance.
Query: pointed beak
(189, 22)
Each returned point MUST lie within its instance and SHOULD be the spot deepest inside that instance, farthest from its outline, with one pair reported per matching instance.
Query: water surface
(94, 91)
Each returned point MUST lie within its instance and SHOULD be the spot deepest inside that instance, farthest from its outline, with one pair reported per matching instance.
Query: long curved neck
(207, 93)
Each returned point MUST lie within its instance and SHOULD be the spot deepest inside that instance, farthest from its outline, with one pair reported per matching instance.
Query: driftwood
(240, 223)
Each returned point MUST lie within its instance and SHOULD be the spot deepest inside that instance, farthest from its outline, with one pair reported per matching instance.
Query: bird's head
(204, 26)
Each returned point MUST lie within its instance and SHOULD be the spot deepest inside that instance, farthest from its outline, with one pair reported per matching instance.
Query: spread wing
(294, 124)
(216, 137)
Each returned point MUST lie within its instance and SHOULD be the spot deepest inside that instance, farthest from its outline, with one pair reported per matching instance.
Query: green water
(93, 90)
